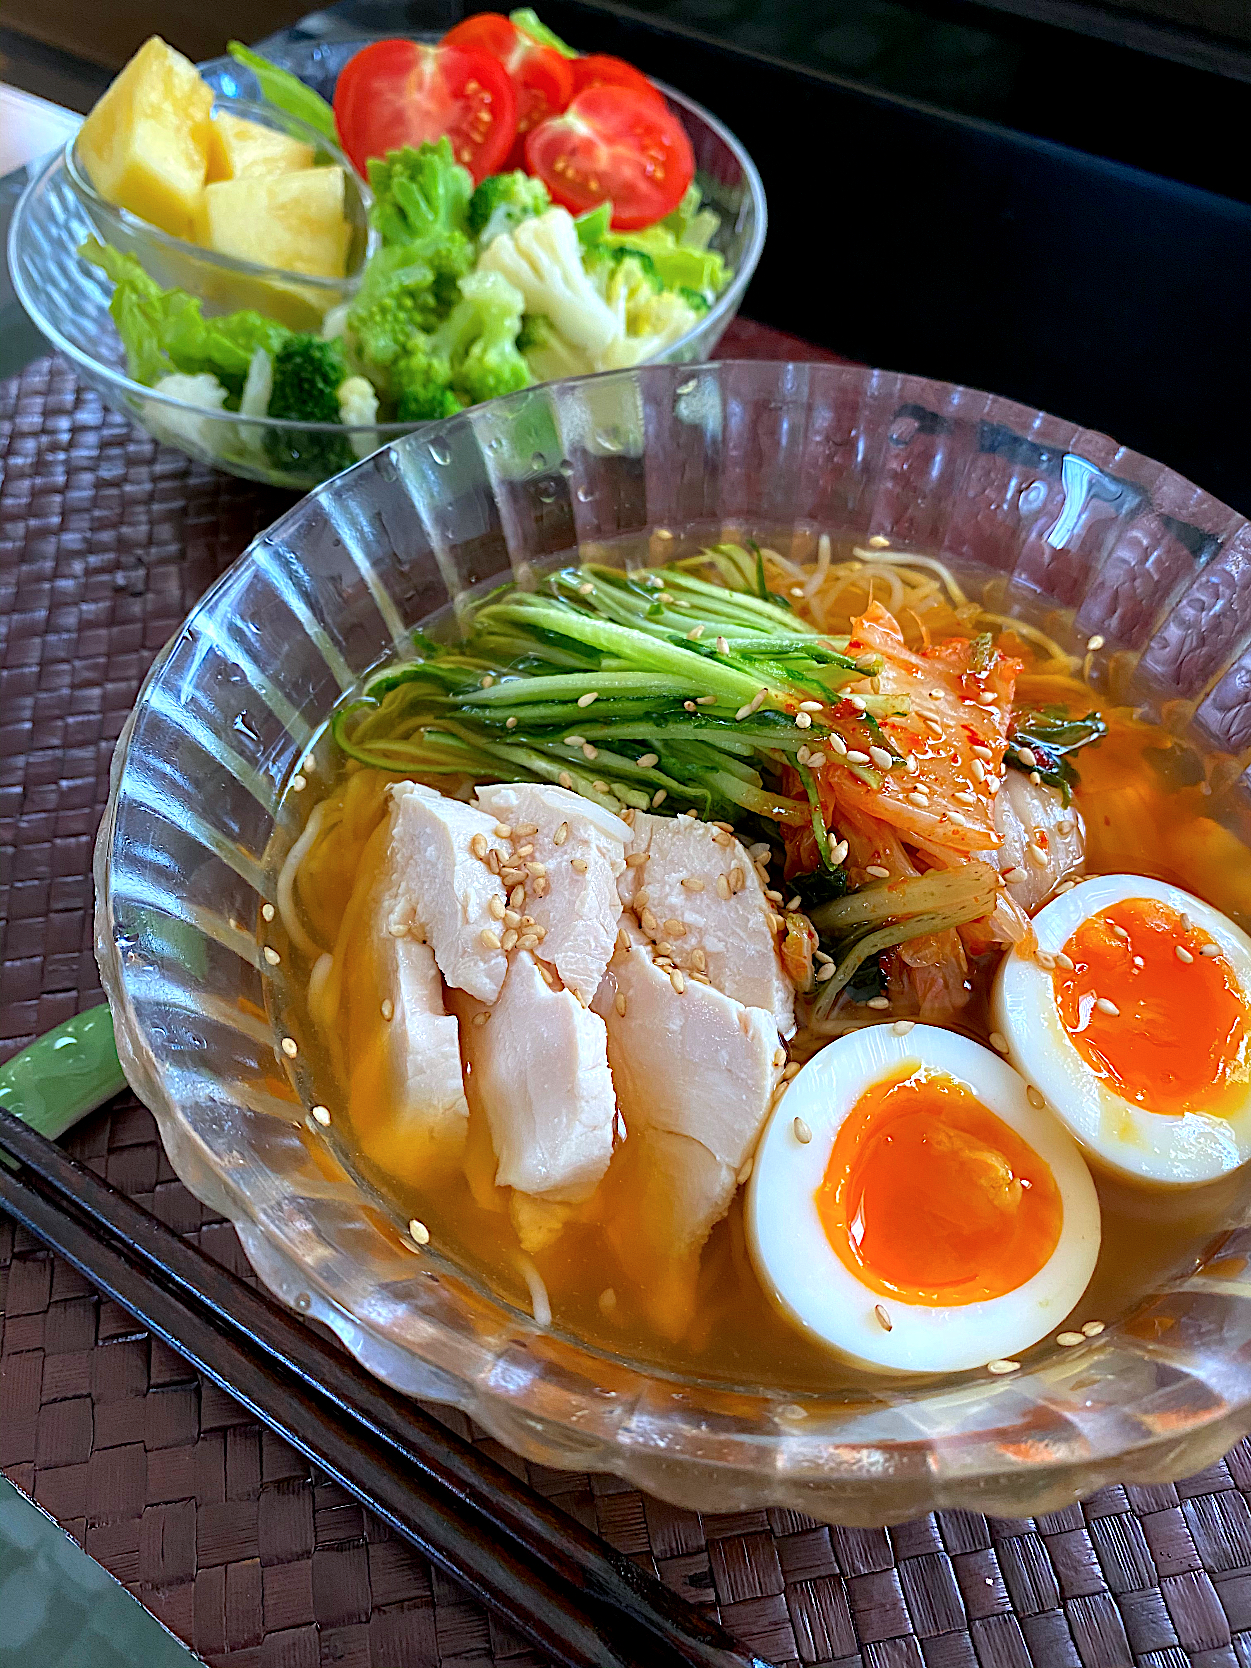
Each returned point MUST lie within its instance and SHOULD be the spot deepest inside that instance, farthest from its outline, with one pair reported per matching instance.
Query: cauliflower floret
(193, 429)
(543, 259)
(358, 408)
(254, 401)
(656, 321)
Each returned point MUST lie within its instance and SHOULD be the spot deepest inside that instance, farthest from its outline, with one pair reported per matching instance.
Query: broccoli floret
(479, 339)
(420, 194)
(307, 376)
(424, 379)
(543, 259)
(503, 201)
(624, 278)
(677, 246)
(405, 292)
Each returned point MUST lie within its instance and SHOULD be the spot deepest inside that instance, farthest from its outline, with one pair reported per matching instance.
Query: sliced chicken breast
(539, 1069)
(694, 1072)
(694, 888)
(580, 850)
(407, 1102)
(439, 890)
(1044, 840)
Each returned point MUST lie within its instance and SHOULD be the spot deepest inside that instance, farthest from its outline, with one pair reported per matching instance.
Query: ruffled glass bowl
(68, 301)
(1108, 542)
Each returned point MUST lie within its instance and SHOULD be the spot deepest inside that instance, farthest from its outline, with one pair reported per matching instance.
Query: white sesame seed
(793, 903)
(579, 865)
(590, 696)
(815, 761)
(937, 694)
(878, 1002)
(1035, 778)
(321, 1115)
(1035, 1097)
(810, 706)
(1095, 643)
(999, 1368)
(481, 1019)
(705, 700)
(517, 897)
(1036, 855)
(881, 758)
(641, 896)
(1107, 1007)
(488, 939)
(1092, 1329)
(723, 887)
(1065, 825)
(510, 939)
(298, 784)
(1183, 954)
(911, 764)
(649, 921)
(537, 869)
(722, 646)
(487, 681)
(647, 760)
(920, 800)
(901, 1027)
(1027, 757)
(388, 1008)
(1186, 922)
(855, 756)
(575, 741)
(743, 712)
(803, 720)
(980, 753)
(1044, 958)
(1066, 1340)
(1210, 950)
(290, 1047)
(838, 853)
(589, 752)
(877, 871)
(600, 787)
(838, 744)
(688, 706)
(693, 883)
(883, 1319)
(998, 1042)
(1016, 872)
(826, 972)
(272, 956)
(677, 980)
(695, 633)
(659, 797)
(802, 1133)
(964, 797)
(857, 701)
(419, 1232)
(674, 927)
(1066, 962)
(959, 818)
(977, 770)
(478, 845)
(1139, 962)
(510, 723)
(267, 912)
(585, 590)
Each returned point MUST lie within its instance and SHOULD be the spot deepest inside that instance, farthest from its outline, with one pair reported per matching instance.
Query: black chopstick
(555, 1582)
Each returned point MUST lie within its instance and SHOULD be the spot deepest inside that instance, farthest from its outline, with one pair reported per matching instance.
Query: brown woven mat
(105, 542)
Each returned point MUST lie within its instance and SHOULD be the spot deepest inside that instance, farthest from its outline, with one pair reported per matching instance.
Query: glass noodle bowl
(68, 300)
(1130, 570)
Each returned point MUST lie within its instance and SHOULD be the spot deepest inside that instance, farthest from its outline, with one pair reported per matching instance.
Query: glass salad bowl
(68, 300)
(1102, 543)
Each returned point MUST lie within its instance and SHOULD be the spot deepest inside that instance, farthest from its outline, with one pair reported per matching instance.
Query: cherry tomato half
(614, 142)
(397, 92)
(542, 79)
(601, 69)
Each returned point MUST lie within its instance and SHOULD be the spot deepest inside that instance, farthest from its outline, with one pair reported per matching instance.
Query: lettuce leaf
(279, 87)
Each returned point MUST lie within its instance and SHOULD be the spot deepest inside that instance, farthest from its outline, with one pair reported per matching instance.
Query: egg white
(815, 1289)
(1152, 1148)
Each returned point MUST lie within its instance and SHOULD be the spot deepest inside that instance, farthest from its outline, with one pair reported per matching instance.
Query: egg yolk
(1160, 1021)
(932, 1198)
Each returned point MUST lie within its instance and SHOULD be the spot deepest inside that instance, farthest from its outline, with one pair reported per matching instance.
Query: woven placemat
(224, 1532)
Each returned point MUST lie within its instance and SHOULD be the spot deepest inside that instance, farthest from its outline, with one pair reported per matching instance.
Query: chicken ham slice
(581, 848)
(537, 1067)
(694, 888)
(694, 1072)
(440, 892)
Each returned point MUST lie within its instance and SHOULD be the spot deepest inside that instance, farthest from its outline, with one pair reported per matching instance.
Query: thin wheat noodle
(540, 1302)
(824, 548)
(885, 558)
(285, 892)
(317, 987)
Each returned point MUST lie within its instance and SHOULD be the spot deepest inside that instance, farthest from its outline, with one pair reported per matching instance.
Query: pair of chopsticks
(555, 1583)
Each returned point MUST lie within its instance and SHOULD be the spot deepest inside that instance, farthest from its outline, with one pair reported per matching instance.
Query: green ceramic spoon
(64, 1074)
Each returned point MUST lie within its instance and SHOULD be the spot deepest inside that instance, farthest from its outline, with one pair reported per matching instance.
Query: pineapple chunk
(293, 221)
(239, 149)
(145, 145)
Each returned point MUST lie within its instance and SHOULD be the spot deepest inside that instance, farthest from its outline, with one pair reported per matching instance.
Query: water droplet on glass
(610, 440)
(687, 387)
(303, 1302)
(584, 494)
(439, 451)
(387, 466)
(1033, 497)
(244, 727)
(904, 431)
(496, 443)
(565, 467)
(538, 461)
(546, 491)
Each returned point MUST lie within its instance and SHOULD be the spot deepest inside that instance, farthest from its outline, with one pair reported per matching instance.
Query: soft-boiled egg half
(913, 1210)
(1132, 1021)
